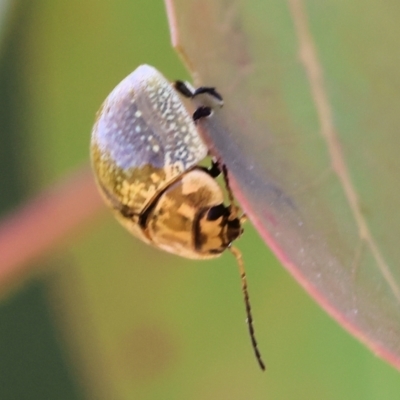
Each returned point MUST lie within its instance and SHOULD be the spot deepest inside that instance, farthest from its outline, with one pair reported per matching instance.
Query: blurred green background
(108, 317)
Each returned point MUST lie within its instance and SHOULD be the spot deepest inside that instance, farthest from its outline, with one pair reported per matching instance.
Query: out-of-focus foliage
(5, 16)
(131, 322)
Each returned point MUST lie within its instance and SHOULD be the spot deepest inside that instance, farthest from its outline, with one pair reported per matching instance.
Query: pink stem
(44, 222)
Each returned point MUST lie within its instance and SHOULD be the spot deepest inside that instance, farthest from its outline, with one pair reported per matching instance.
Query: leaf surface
(309, 133)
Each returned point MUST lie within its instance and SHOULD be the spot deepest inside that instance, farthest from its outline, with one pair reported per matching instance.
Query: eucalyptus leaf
(309, 134)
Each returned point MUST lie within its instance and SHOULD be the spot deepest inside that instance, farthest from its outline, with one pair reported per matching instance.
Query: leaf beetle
(145, 150)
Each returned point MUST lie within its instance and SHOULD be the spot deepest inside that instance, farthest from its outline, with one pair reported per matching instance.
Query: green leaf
(309, 133)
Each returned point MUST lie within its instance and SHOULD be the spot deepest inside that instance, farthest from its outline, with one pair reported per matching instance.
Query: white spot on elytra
(138, 114)
(156, 148)
(138, 128)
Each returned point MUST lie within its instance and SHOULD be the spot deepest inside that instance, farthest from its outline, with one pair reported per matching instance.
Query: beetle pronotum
(145, 151)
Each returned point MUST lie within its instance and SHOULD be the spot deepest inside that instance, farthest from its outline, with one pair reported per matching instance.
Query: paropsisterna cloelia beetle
(145, 152)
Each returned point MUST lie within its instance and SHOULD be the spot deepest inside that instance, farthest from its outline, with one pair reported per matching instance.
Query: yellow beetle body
(145, 149)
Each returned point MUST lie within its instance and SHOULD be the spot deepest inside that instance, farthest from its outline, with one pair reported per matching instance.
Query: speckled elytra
(145, 152)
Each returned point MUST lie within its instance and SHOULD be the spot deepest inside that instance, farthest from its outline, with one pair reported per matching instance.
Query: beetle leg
(208, 90)
(188, 91)
(214, 170)
(201, 112)
(183, 89)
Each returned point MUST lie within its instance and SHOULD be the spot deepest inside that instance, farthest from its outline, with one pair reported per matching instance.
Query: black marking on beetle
(126, 211)
(214, 251)
(216, 212)
(228, 232)
(199, 239)
(233, 229)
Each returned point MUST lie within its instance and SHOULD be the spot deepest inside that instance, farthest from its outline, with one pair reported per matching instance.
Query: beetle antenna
(238, 256)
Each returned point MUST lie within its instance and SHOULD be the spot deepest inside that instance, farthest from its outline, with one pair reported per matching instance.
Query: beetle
(145, 150)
